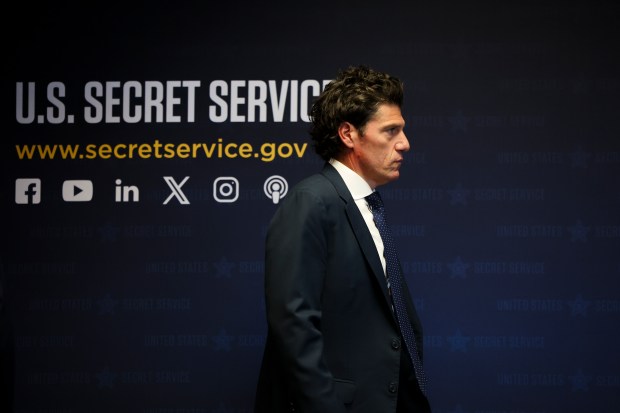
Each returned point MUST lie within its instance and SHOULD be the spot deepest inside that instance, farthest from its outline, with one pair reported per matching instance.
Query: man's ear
(346, 132)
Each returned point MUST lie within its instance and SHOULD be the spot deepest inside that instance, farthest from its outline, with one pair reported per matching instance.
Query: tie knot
(374, 201)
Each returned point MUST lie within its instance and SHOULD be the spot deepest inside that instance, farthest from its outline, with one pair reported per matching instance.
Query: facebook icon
(28, 191)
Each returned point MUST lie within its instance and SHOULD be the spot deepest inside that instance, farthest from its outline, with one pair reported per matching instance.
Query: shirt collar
(358, 187)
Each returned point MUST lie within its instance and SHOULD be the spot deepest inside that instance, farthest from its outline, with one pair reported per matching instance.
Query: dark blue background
(506, 212)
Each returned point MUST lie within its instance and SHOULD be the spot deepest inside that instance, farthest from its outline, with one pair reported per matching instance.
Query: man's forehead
(388, 114)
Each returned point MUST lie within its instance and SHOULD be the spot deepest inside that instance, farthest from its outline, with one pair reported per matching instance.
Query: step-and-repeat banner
(149, 145)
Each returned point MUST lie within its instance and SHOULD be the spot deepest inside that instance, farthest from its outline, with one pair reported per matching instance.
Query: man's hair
(354, 96)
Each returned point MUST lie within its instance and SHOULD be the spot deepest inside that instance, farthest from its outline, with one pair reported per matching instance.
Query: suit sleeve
(295, 269)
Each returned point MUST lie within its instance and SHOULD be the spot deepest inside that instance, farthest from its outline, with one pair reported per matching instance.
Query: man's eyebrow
(393, 125)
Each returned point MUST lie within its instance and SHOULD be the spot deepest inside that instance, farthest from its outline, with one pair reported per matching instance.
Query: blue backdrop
(148, 145)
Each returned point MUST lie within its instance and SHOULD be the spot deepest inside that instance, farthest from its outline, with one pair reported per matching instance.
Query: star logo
(461, 51)
(579, 158)
(580, 381)
(459, 121)
(459, 342)
(459, 195)
(579, 306)
(106, 305)
(106, 378)
(223, 409)
(458, 409)
(223, 341)
(580, 87)
(223, 268)
(108, 233)
(458, 268)
(578, 232)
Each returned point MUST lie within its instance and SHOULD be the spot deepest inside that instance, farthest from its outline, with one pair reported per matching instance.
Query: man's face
(378, 153)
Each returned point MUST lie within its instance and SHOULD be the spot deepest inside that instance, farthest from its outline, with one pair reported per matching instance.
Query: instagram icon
(226, 189)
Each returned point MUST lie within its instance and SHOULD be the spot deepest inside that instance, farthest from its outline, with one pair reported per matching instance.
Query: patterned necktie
(395, 284)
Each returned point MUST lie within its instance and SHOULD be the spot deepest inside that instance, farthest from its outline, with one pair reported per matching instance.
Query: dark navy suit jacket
(333, 344)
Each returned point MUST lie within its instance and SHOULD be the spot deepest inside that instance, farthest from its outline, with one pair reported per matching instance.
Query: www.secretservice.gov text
(265, 152)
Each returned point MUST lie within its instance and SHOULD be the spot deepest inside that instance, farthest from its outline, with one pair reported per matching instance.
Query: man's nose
(404, 143)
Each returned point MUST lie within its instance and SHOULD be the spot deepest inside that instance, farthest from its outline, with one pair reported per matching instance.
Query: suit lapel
(360, 229)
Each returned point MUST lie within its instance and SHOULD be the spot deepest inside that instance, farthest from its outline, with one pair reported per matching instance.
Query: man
(334, 342)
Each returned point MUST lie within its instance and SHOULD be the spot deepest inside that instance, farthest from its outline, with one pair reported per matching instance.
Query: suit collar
(334, 177)
(358, 187)
(359, 227)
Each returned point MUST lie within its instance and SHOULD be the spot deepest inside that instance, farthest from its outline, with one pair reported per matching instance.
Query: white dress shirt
(360, 189)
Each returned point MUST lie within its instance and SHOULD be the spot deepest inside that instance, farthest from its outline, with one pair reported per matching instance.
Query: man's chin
(392, 177)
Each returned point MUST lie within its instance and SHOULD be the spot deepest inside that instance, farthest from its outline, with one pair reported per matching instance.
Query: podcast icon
(275, 188)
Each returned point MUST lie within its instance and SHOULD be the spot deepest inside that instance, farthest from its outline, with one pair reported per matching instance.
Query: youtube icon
(77, 191)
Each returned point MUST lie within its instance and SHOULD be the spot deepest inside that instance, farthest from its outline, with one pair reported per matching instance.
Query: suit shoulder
(313, 183)
(317, 186)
